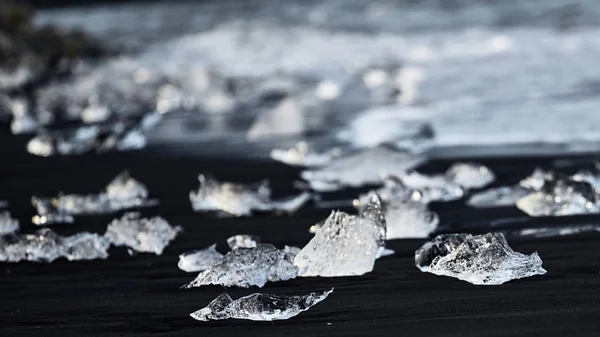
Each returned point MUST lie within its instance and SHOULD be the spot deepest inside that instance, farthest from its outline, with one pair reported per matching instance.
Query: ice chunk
(243, 241)
(409, 219)
(86, 246)
(392, 189)
(122, 193)
(241, 200)
(470, 175)
(591, 178)
(480, 259)
(47, 246)
(427, 188)
(149, 235)
(537, 179)
(498, 197)
(7, 224)
(345, 244)
(247, 267)
(199, 260)
(303, 155)
(509, 195)
(258, 307)
(125, 192)
(363, 168)
(560, 197)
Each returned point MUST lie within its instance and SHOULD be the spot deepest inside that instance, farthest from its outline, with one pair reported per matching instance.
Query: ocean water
(521, 74)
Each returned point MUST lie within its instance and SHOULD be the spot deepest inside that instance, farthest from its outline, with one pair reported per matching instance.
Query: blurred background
(477, 76)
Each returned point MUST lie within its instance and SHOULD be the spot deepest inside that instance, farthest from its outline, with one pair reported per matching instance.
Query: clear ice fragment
(303, 155)
(345, 244)
(47, 246)
(481, 259)
(560, 197)
(362, 168)
(510, 195)
(498, 197)
(248, 267)
(150, 235)
(409, 219)
(470, 175)
(199, 260)
(7, 224)
(86, 246)
(123, 192)
(258, 307)
(243, 241)
(591, 178)
(241, 200)
(428, 188)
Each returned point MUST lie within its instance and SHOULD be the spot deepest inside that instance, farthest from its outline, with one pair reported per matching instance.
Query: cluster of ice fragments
(344, 245)
(258, 307)
(478, 259)
(143, 235)
(546, 193)
(366, 167)
(241, 200)
(122, 192)
(405, 197)
(47, 246)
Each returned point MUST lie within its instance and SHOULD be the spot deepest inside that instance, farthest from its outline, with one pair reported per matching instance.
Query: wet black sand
(140, 295)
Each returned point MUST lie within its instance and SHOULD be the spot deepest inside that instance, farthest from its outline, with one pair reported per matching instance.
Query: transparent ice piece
(409, 219)
(47, 246)
(498, 197)
(86, 246)
(241, 200)
(150, 235)
(363, 168)
(248, 267)
(303, 155)
(537, 179)
(428, 188)
(470, 175)
(243, 241)
(591, 178)
(560, 197)
(345, 244)
(199, 260)
(481, 259)
(509, 195)
(7, 224)
(258, 307)
(393, 189)
(123, 192)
